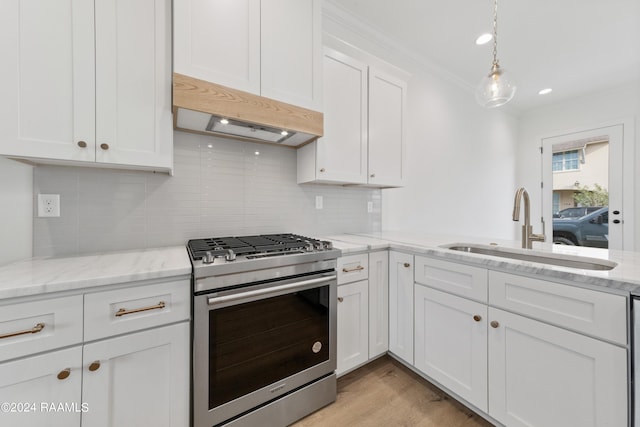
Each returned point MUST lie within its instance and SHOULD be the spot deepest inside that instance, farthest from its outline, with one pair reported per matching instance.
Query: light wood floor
(384, 393)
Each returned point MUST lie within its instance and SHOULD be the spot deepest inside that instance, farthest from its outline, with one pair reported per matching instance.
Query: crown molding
(347, 20)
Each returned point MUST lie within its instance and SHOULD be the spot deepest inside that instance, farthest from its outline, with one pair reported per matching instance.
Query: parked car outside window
(576, 212)
(588, 230)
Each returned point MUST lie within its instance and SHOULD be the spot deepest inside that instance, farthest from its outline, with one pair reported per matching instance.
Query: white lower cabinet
(542, 375)
(401, 305)
(133, 372)
(378, 303)
(33, 388)
(451, 343)
(138, 379)
(353, 325)
(523, 367)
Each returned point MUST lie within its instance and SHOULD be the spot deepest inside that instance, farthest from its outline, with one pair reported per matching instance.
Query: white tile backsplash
(219, 187)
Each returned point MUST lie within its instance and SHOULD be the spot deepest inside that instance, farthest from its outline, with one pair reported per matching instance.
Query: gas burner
(253, 247)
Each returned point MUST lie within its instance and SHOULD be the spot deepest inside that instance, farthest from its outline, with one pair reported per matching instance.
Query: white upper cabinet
(270, 48)
(133, 83)
(291, 52)
(218, 41)
(91, 81)
(364, 114)
(386, 129)
(48, 100)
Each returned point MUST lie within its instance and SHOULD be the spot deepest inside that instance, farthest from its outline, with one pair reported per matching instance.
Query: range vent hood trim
(196, 103)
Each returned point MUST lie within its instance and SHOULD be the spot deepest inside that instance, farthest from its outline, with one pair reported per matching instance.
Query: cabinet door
(386, 129)
(378, 303)
(291, 52)
(542, 375)
(48, 100)
(140, 379)
(353, 325)
(133, 82)
(401, 305)
(218, 41)
(342, 151)
(39, 394)
(451, 343)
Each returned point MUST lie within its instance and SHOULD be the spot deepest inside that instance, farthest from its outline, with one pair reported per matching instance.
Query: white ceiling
(573, 46)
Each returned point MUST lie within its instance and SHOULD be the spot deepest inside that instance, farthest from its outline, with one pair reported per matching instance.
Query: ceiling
(574, 47)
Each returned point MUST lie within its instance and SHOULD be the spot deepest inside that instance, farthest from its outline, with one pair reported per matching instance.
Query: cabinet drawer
(458, 279)
(353, 268)
(36, 326)
(125, 310)
(598, 314)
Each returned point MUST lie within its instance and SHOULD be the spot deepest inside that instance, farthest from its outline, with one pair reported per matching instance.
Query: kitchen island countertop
(624, 278)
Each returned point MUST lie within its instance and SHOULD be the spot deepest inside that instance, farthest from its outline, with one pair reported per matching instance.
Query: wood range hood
(199, 106)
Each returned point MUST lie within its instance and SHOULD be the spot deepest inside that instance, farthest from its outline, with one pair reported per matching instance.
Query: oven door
(254, 344)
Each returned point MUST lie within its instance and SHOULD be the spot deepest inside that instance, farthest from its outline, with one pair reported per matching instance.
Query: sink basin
(571, 261)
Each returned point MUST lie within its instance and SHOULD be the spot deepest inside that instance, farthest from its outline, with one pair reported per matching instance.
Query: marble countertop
(624, 277)
(56, 274)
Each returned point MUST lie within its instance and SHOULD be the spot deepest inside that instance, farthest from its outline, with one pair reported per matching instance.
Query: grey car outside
(588, 230)
(576, 212)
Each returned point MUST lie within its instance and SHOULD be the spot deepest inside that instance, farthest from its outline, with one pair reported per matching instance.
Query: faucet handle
(536, 237)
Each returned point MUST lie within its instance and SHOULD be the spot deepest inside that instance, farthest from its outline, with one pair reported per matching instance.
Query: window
(556, 202)
(565, 161)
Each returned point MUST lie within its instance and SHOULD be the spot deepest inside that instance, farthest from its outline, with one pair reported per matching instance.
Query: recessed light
(257, 153)
(224, 121)
(284, 133)
(484, 39)
(545, 91)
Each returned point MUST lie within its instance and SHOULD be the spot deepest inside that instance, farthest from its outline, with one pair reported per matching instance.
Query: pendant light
(496, 88)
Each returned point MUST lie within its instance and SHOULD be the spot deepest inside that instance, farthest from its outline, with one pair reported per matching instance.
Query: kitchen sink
(571, 261)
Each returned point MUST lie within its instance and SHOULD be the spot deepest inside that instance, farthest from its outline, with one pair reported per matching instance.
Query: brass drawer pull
(94, 366)
(494, 324)
(407, 265)
(82, 144)
(340, 299)
(37, 328)
(104, 146)
(477, 318)
(124, 311)
(349, 270)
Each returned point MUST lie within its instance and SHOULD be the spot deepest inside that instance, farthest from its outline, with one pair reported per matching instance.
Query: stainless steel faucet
(527, 230)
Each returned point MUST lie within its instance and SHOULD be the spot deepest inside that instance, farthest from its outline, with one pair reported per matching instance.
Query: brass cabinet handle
(64, 374)
(494, 324)
(340, 299)
(94, 366)
(373, 175)
(104, 146)
(82, 144)
(124, 311)
(477, 318)
(321, 169)
(407, 265)
(37, 328)
(349, 270)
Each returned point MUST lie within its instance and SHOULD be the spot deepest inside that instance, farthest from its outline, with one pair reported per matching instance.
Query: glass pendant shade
(495, 89)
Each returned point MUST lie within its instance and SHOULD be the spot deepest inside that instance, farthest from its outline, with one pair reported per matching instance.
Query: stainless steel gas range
(264, 329)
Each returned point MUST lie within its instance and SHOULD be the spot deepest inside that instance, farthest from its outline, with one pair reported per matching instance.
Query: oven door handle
(267, 292)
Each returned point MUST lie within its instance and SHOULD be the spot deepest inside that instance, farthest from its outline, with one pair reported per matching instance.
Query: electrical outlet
(369, 207)
(318, 202)
(48, 205)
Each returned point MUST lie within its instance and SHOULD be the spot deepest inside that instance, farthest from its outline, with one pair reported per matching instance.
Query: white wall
(460, 157)
(620, 104)
(16, 210)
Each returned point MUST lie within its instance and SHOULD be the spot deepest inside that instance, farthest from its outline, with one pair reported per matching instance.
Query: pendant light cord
(495, 32)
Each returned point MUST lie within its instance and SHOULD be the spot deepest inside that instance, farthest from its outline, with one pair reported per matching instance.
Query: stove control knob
(207, 258)
(308, 246)
(327, 245)
(230, 256)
